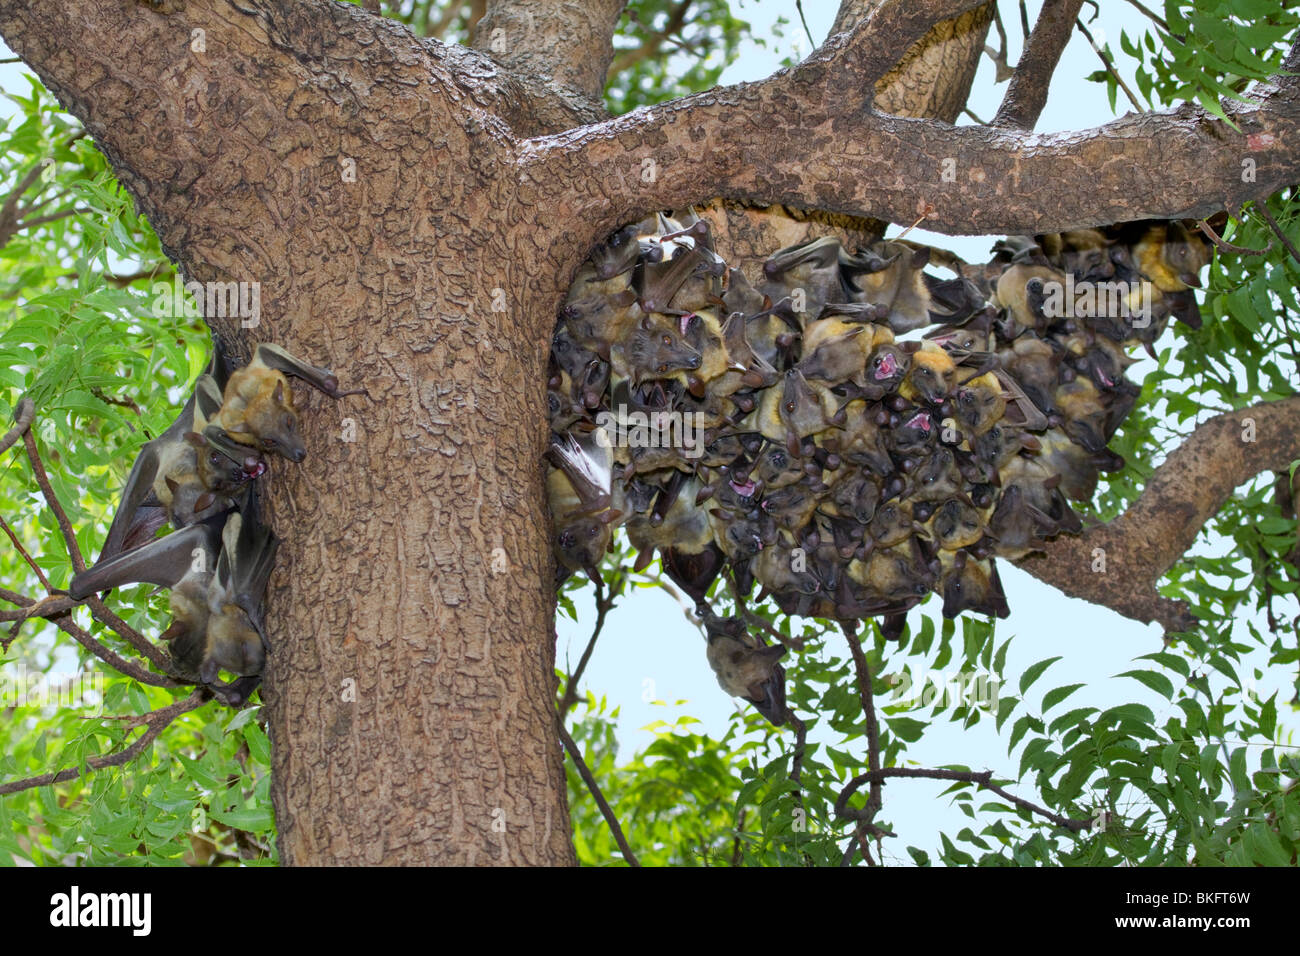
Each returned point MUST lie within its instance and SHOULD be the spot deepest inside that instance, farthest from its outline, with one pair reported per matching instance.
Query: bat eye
(593, 532)
(668, 340)
(213, 460)
(663, 367)
(789, 406)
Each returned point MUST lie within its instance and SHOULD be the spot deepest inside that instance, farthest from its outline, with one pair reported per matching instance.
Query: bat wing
(163, 561)
(274, 357)
(244, 567)
(139, 513)
(1033, 418)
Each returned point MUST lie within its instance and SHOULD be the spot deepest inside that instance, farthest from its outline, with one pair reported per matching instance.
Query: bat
(235, 638)
(258, 407)
(893, 278)
(655, 349)
(580, 496)
(745, 667)
(170, 484)
(969, 584)
(811, 267)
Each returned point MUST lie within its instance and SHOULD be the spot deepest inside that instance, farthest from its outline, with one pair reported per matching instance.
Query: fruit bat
(812, 267)
(1172, 256)
(969, 584)
(745, 667)
(258, 409)
(234, 639)
(654, 349)
(795, 409)
(578, 488)
(895, 281)
(1023, 291)
(184, 475)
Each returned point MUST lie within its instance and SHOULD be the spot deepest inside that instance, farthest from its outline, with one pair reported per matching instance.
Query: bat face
(582, 542)
(857, 498)
(887, 367)
(956, 525)
(656, 350)
(979, 404)
(970, 585)
(750, 671)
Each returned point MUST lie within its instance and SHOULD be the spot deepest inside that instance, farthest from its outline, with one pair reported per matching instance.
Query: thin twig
(736, 845)
(1110, 67)
(1262, 209)
(70, 539)
(604, 604)
(1208, 231)
(1151, 15)
(862, 671)
(24, 412)
(798, 5)
(983, 779)
(157, 721)
(45, 583)
(576, 756)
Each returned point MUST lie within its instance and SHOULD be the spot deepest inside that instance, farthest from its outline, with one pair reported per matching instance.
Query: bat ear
(645, 322)
(195, 439)
(911, 348)
(204, 501)
(278, 394)
(921, 258)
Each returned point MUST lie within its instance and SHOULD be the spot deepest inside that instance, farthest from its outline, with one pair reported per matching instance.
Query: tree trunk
(410, 689)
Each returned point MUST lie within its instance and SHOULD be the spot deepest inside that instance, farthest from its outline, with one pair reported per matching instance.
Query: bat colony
(783, 432)
(197, 477)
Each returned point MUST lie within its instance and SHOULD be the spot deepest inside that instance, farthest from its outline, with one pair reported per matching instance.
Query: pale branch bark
(933, 78)
(1118, 564)
(156, 721)
(862, 56)
(1027, 94)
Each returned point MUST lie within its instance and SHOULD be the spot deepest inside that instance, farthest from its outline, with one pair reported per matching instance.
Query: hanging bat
(1033, 297)
(258, 409)
(744, 666)
(896, 281)
(812, 267)
(234, 639)
(578, 488)
(795, 409)
(184, 475)
(655, 349)
(969, 584)
(1172, 256)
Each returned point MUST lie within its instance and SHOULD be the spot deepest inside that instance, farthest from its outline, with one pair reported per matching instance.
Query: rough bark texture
(414, 213)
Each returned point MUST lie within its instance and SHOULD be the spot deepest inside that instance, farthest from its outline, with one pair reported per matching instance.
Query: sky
(649, 653)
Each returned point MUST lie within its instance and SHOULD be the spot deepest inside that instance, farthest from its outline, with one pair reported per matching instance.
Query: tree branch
(983, 779)
(1027, 94)
(566, 47)
(605, 810)
(156, 720)
(1118, 564)
(790, 139)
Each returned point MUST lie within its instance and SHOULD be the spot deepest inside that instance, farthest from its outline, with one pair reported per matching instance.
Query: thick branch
(565, 47)
(790, 140)
(1027, 94)
(1118, 564)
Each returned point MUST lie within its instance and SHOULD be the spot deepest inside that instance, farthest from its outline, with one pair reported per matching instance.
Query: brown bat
(258, 409)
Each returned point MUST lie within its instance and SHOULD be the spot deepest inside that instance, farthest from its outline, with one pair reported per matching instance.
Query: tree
(413, 212)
